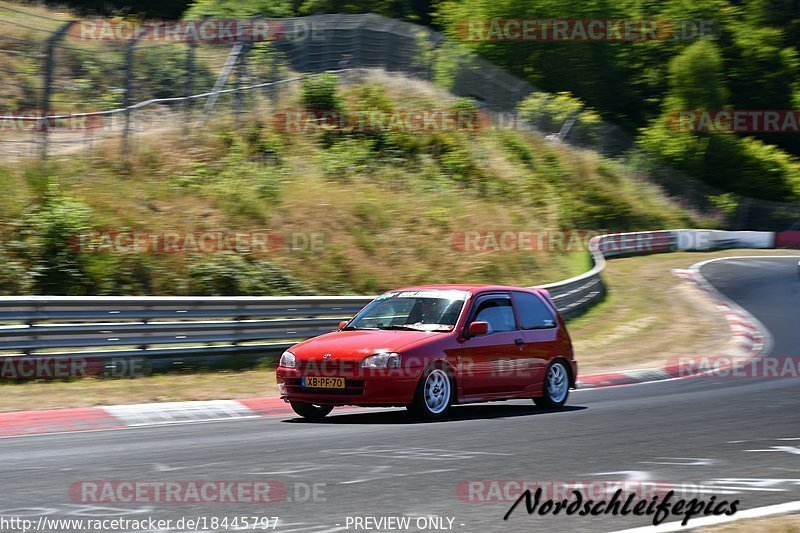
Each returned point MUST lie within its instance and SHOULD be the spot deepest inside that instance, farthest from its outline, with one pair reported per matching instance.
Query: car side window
(533, 312)
(497, 312)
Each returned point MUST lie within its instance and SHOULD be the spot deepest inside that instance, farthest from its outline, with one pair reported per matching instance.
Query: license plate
(323, 383)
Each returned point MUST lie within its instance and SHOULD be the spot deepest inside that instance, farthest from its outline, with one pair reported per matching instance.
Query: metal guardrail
(164, 332)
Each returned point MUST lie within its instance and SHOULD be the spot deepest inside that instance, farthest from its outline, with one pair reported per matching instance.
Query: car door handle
(519, 342)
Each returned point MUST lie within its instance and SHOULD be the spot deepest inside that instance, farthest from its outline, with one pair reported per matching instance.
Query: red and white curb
(137, 415)
(749, 339)
(153, 414)
(56, 421)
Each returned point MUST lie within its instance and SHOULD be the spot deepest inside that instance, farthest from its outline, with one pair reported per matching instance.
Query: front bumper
(367, 388)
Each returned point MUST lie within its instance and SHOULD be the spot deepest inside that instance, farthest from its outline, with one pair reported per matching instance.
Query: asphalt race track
(736, 438)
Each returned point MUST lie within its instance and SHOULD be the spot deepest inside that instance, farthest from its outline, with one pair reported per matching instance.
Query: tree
(240, 8)
(696, 79)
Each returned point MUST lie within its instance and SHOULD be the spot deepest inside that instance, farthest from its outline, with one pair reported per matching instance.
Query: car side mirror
(342, 324)
(478, 328)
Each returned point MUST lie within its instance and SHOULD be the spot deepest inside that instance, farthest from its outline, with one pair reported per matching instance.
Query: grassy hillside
(384, 205)
(747, 59)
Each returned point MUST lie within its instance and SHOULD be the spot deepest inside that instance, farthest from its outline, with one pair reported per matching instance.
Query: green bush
(320, 93)
(518, 148)
(247, 188)
(346, 159)
(548, 113)
(134, 274)
(240, 8)
(696, 78)
(455, 159)
(15, 278)
(269, 63)
(743, 166)
(237, 275)
(161, 73)
(726, 202)
(49, 233)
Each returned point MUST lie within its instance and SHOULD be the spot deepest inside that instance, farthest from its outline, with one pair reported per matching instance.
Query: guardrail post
(238, 320)
(31, 322)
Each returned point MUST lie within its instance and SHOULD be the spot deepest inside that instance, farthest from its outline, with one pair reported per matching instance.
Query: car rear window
(533, 312)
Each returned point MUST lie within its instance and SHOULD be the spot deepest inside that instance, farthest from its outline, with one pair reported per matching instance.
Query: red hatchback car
(429, 347)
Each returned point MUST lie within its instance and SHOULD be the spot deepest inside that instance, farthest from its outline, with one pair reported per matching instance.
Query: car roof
(475, 288)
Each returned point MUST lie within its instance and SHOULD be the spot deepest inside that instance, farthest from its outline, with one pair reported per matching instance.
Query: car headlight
(382, 360)
(287, 360)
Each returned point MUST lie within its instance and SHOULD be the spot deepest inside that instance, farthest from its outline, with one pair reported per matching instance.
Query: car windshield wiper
(351, 328)
(417, 327)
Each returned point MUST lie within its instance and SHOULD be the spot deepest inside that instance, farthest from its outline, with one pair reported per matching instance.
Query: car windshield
(436, 310)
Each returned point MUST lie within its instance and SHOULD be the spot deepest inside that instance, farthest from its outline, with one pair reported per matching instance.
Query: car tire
(555, 387)
(434, 395)
(310, 411)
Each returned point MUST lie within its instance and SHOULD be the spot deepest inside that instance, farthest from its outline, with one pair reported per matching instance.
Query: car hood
(356, 344)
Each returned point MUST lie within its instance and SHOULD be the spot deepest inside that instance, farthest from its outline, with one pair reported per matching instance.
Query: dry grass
(30, 22)
(395, 231)
(649, 314)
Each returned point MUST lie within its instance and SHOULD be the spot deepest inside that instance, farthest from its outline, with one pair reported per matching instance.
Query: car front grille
(327, 367)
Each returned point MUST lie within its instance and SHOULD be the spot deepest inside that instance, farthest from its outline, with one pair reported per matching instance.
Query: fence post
(48, 79)
(272, 90)
(222, 79)
(187, 104)
(127, 102)
(241, 67)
